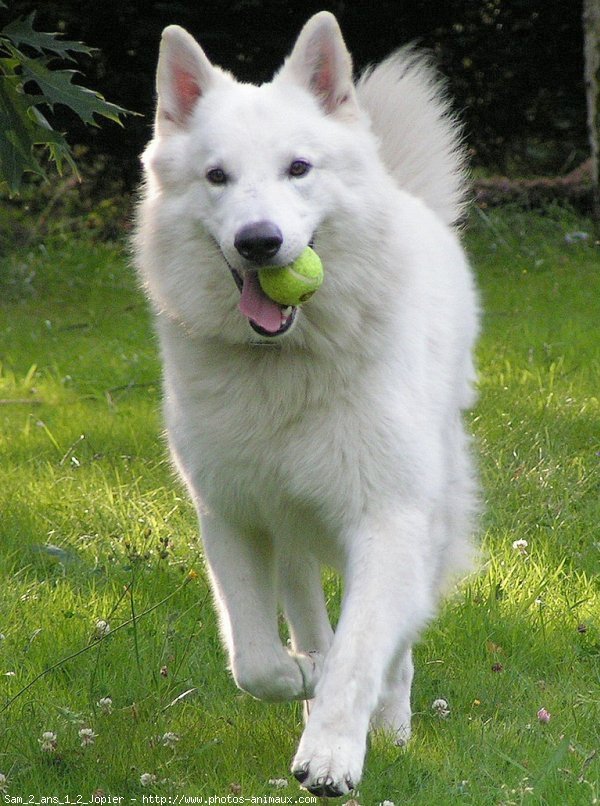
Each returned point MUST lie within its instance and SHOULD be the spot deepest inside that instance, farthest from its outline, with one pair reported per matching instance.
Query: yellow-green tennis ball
(295, 283)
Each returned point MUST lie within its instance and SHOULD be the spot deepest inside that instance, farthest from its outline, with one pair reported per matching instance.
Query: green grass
(95, 526)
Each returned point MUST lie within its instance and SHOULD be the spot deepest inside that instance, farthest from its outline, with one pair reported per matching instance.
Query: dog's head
(245, 176)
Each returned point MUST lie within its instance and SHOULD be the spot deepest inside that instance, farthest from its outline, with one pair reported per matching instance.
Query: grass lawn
(95, 528)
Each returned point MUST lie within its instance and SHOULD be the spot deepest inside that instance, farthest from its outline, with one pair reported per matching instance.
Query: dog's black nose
(258, 241)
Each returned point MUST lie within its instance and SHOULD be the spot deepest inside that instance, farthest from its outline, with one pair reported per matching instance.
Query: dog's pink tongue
(255, 304)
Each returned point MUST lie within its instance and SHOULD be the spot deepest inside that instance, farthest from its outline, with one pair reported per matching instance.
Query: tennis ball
(295, 283)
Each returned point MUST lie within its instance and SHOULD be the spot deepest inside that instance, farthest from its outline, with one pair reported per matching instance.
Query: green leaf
(55, 142)
(57, 88)
(22, 124)
(22, 127)
(21, 32)
(16, 135)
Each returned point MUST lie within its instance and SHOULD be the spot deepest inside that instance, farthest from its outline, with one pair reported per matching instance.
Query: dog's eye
(216, 176)
(299, 168)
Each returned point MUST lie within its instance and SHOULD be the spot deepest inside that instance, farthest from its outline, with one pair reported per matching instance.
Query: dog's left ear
(320, 62)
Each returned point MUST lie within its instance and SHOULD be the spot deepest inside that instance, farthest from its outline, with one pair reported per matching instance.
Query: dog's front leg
(243, 576)
(387, 601)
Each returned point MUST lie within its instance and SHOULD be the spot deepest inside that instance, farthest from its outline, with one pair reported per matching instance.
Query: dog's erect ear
(184, 73)
(320, 62)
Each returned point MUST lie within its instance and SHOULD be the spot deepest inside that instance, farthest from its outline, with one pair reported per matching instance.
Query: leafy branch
(32, 83)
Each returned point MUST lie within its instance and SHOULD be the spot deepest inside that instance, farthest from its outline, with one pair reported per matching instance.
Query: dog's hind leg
(303, 601)
(393, 712)
(243, 574)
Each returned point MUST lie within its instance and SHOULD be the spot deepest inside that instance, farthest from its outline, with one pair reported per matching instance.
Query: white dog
(330, 433)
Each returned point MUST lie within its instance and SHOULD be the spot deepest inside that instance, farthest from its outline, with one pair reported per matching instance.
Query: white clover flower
(102, 629)
(520, 546)
(147, 779)
(278, 783)
(87, 736)
(2, 637)
(105, 705)
(3, 783)
(48, 741)
(169, 740)
(441, 708)
(387, 803)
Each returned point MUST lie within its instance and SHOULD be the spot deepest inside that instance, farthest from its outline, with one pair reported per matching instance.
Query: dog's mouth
(266, 317)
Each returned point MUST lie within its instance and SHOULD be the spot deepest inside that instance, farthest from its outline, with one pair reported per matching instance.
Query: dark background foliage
(514, 67)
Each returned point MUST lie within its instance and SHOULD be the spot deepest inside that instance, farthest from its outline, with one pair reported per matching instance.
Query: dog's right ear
(184, 74)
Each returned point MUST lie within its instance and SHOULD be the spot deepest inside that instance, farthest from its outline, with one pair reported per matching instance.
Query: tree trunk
(591, 33)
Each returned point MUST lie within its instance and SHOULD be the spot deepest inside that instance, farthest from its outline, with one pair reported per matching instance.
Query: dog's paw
(282, 677)
(394, 724)
(310, 665)
(394, 734)
(329, 767)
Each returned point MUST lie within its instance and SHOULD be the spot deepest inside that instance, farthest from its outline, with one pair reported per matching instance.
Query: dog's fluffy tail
(420, 138)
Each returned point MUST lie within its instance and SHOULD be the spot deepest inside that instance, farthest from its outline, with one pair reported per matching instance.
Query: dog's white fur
(339, 442)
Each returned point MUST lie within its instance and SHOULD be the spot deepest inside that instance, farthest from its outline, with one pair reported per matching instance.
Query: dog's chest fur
(281, 436)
